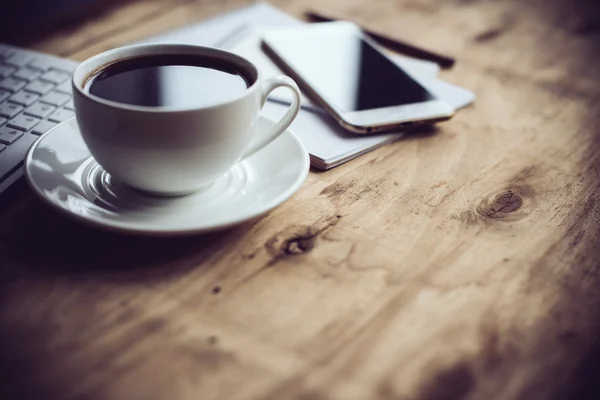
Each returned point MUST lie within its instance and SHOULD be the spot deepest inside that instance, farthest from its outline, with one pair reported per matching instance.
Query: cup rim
(78, 86)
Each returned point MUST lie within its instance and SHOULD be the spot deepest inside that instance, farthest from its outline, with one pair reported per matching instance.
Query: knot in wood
(300, 245)
(508, 204)
(298, 239)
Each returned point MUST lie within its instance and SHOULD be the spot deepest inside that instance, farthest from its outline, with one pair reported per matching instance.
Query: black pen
(392, 43)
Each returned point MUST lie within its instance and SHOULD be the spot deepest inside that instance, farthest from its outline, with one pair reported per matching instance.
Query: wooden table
(463, 263)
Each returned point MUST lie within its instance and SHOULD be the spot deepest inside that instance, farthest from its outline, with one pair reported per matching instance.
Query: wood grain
(461, 263)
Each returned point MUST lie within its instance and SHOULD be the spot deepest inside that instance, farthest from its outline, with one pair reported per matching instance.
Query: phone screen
(348, 71)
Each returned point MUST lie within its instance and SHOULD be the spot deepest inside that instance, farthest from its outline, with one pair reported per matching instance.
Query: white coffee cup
(173, 151)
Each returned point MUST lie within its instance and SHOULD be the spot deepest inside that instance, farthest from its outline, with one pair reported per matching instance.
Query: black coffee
(170, 81)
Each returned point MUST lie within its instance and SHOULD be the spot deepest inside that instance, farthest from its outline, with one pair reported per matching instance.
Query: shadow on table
(60, 246)
(61, 250)
(581, 18)
(28, 21)
(24, 365)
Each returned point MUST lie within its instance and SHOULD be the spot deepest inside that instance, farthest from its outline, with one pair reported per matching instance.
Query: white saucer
(62, 172)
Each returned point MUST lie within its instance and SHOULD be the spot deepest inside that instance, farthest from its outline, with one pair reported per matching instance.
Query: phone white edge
(360, 122)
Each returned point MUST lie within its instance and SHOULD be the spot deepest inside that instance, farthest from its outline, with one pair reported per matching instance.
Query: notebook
(327, 143)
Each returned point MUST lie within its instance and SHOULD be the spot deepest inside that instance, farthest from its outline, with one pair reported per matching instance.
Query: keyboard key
(6, 52)
(43, 127)
(41, 64)
(12, 84)
(39, 87)
(9, 135)
(6, 71)
(2, 147)
(56, 98)
(40, 110)
(10, 110)
(23, 122)
(70, 105)
(61, 115)
(4, 94)
(19, 59)
(27, 74)
(65, 87)
(2, 121)
(24, 98)
(12, 157)
(55, 76)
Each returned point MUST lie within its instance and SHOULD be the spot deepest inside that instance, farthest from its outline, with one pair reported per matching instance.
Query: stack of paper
(328, 144)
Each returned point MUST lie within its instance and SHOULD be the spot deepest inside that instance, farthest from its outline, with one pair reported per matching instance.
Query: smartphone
(347, 73)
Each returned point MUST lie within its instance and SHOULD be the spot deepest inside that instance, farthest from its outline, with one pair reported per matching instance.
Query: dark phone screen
(349, 72)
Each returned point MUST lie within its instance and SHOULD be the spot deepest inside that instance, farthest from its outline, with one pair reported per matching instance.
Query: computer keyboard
(35, 96)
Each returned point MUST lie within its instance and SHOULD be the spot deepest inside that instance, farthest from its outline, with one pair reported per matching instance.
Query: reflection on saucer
(111, 194)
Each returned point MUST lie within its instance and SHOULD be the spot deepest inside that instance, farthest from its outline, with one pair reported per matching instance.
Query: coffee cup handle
(269, 85)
